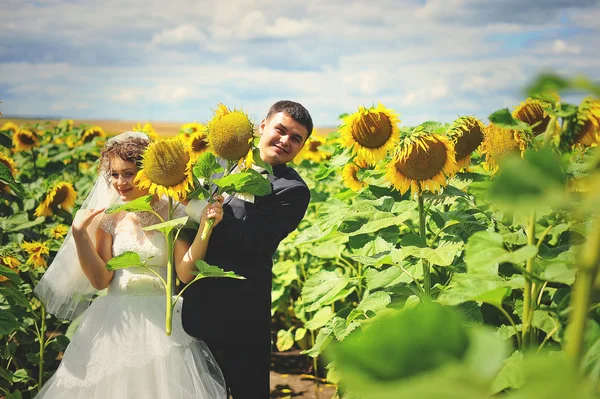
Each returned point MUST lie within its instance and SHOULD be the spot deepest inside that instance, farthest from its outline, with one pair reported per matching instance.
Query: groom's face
(281, 138)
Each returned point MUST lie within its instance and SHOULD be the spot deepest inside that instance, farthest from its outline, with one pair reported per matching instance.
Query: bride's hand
(84, 217)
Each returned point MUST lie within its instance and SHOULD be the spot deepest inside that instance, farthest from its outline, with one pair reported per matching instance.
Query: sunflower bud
(467, 134)
(230, 134)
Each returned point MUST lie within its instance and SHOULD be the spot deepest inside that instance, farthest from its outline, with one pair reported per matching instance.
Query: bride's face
(122, 175)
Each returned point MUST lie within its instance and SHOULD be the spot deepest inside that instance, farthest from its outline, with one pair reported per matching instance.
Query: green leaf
(137, 205)
(386, 278)
(11, 291)
(6, 177)
(206, 166)
(324, 338)
(205, 270)
(300, 334)
(249, 181)
(504, 119)
(441, 256)
(319, 319)
(466, 287)
(485, 251)
(20, 375)
(257, 160)
(11, 274)
(125, 260)
(322, 288)
(526, 184)
(8, 322)
(371, 304)
(285, 340)
(166, 227)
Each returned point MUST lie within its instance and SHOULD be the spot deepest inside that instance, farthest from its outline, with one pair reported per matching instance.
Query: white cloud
(561, 47)
(181, 34)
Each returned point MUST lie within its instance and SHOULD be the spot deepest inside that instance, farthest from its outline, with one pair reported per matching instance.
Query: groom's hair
(294, 110)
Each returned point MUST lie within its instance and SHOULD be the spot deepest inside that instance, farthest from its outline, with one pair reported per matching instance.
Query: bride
(120, 349)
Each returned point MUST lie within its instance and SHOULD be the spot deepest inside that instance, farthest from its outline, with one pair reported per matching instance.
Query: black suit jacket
(238, 312)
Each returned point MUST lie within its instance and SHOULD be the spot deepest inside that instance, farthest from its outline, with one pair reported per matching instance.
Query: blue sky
(142, 60)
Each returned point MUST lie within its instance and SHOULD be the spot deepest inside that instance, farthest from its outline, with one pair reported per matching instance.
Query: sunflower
(10, 127)
(11, 165)
(499, 142)
(349, 174)
(422, 162)
(24, 140)
(197, 142)
(11, 262)
(60, 194)
(370, 132)
(166, 169)
(190, 128)
(466, 133)
(311, 150)
(586, 126)
(58, 231)
(531, 111)
(148, 129)
(230, 134)
(36, 251)
(91, 133)
(65, 125)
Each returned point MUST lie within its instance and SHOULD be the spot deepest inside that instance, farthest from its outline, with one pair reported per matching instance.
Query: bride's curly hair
(130, 149)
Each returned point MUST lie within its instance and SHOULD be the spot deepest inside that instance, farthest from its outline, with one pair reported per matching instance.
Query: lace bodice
(127, 235)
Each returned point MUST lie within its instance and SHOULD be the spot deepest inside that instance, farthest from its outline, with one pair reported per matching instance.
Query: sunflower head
(147, 128)
(37, 252)
(190, 128)
(166, 169)
(466, 133)
(586, 129)
(66, 125)
(230, 133)
(312, 150)
(532, 112)
(60, 194)
(59, 231)
(25, 140)
(370, 132)
(10, 127)
(198, 142)
(422, 162)
(349, 174)
(91, 133)
(499, 142)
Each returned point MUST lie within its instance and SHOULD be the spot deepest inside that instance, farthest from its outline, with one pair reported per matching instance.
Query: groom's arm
(266, 225)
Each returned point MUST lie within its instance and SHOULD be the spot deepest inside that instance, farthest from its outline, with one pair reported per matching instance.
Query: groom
(233, 316)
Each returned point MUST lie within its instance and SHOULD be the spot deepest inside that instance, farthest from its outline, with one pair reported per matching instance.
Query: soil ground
(291, 377)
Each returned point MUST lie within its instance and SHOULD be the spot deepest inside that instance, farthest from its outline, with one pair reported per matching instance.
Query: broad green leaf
(526, 184)
(125, 260)
(11, 274)
(377, 260)
(20, 221)
(342, 328)
(319, 319)
(7, 178)
(285, 340)
(511, 375)
(441, 256)
(249, 181)
(561, 269)
(137, 205)
(329, 248)
(9, 290)
(485, 251)
(324, 338)
(206, 270)
(372, 303)
(257, 160)
(367, 223)
(474, 287)
(322, 288)
(167, 226)
(206, 166)
(8, 322)
(504, 119)
(300, 334)
(20, 375)
(379, 279)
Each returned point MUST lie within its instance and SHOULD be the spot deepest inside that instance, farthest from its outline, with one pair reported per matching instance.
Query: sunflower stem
(209, 223)
(582, 290)
(169, 287)
(550, 131)
(528, 302)
(42, 341)
(424, 263)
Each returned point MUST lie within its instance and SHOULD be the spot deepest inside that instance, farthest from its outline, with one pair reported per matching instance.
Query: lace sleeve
(107, 223)
(179, 211)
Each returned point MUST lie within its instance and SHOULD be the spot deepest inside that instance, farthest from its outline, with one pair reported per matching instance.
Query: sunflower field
(440, 260)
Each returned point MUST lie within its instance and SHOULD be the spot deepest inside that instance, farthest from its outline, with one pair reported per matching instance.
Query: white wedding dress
(120, 349)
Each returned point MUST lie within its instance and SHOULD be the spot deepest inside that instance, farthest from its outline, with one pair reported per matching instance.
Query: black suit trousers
(246, 370)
